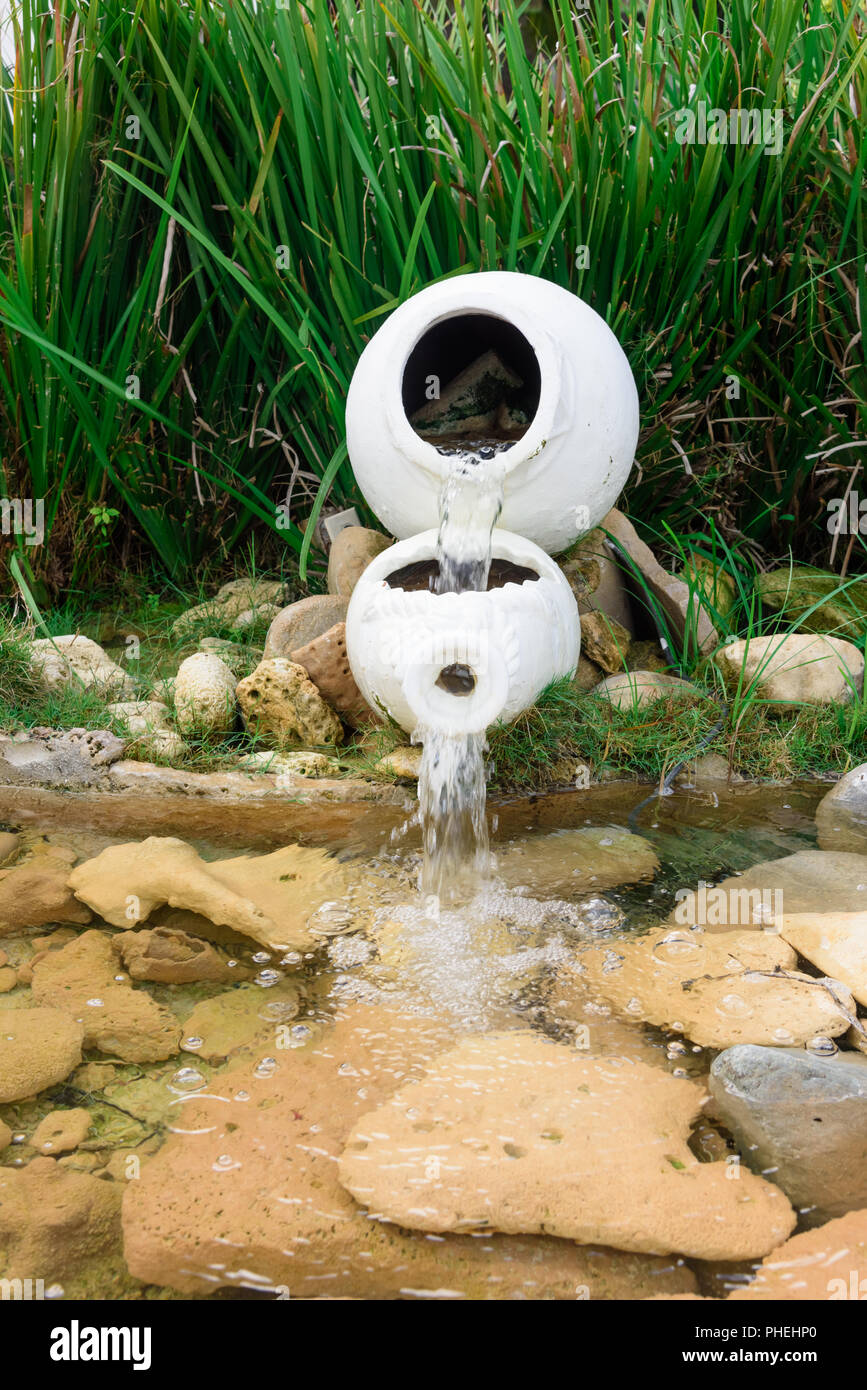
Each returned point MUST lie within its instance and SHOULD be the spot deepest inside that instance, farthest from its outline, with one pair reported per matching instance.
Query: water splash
(451, 787)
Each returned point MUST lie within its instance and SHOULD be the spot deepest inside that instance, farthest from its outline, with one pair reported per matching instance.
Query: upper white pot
(510, 641)
(566, 471)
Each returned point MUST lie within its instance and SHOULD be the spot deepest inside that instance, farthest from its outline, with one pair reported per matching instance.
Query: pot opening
(457, 679)
(423, 574)
(472, 382)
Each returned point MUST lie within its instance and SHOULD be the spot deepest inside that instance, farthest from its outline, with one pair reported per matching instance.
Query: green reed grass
(301, 168)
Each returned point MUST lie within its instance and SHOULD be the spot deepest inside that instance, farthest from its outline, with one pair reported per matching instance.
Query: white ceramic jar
(565, 473)
(508, 642)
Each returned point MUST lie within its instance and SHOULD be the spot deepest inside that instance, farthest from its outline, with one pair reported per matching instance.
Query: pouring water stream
(451, 784)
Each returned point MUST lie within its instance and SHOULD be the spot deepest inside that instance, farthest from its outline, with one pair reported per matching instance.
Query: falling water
(451, 784)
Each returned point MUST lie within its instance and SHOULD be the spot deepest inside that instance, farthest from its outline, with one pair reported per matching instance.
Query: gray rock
(800, 1120)
(58, 758)
(841, 816)
(303, 622)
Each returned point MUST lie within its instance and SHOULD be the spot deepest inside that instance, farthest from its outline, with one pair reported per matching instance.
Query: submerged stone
(801, 1120)
(824, 1265)
(510, 1132)
(81, 980)
(574, 861)
(267, 897)
(247, 1195)
(718, 990)
(835, 942)
(38, 1048)
(841, 816)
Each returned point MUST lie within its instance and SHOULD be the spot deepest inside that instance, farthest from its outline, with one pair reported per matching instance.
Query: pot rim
(480, 300)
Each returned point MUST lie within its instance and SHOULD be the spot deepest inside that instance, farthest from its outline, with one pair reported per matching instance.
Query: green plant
(298, 170)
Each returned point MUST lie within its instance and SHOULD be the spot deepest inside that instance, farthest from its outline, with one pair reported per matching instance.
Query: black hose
(632, 819)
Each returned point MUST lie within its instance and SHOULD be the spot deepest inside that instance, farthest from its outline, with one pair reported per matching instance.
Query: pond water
(313, 1045)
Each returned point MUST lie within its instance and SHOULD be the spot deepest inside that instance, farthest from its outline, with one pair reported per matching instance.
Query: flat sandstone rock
(510, 1132)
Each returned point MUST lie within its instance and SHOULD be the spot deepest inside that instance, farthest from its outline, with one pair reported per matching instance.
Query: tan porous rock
(811, 880)
(403, 762)
(56, 1223)
(35, 892)
(240, 1018)
(327, 664)
(815, 1266)
(529, 1136)
(591, 858)
(172, 957)
(281, 704)
(267, 897)
(719, 990)
(38, 1049)
(835, 942)
(61, 1131)
(81, 980)
(605, 641)
(255, 1174)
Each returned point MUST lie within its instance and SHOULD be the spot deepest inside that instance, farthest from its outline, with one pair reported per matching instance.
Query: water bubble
(299, 1035)
(676, 948)
(95, 1004)
(822, 1047)
(611, 962)
(242, 1095)
(224, 1163)
(266, 1067)
(734, 1006)
(261, 958)
(279, 1011)
(187, 1079)
(55, 1291)
(19, 1139)
(782, 1035)
(331, 919)
(267, 978)
(191, 1044)
(121, 980)
(634, 1006)
(292, 958)
(675, 1049)
(231, 964)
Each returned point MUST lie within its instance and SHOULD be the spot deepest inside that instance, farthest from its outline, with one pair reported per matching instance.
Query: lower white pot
(460, 662)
